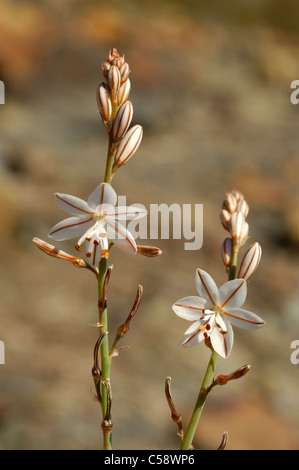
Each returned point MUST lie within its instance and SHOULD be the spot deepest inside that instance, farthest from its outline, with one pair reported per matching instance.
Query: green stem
(105, 360)
(189, 435)
(202, 396)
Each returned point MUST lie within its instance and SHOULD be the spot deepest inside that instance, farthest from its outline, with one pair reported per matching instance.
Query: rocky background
(211, 87)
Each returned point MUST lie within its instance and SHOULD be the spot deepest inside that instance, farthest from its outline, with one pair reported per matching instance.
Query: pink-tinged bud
(128, 145)
(104, 102)
(250, 261)
(225, 217)
(230, 203)
(124, 91)
(226, 251)
(114, 81)
(122, 121)
(124, 72)
(236, 226)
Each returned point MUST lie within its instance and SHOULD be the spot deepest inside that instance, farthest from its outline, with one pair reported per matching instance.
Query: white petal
(102, 194)
(190, 308)
(243, 318)
(71, 204)
(194, 335)
(222, 340)
(206, 287)
(120, 236)
(70, 228)
(128, 213)
(232, 294)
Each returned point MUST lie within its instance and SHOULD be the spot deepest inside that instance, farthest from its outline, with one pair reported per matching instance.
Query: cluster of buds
(115, 109)
(233, 218)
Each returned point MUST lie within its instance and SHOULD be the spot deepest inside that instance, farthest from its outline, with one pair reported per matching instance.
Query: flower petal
(232, 294)
(73, 205)
(206, 287)
(102, 194)
(70, 228)
(128, 213)
(222, 339)
(196, 333)
(120, 236)
(190, 308)
(243, 318)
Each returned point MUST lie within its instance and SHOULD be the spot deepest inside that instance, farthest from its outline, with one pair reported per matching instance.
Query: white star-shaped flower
(96, 222)
(213, 312)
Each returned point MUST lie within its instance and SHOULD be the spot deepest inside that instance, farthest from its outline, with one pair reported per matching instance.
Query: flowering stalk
(215, 308)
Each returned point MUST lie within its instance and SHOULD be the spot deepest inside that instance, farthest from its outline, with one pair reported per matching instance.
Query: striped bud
(104, 102)
(236, 226)
(226, 251)
(124, 91)
(128, 145)
(114, 81)
(124, 71)
(250, 261)
(225, 217)
(243, 207)
(230, 203)
(122, 121)
(106, 66)
(149, 251)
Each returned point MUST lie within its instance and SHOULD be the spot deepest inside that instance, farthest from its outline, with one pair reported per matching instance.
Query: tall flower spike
(213, 312)
(96, 221)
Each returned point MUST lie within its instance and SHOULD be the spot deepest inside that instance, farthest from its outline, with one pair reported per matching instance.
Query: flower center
(217, 309)
(98, 214)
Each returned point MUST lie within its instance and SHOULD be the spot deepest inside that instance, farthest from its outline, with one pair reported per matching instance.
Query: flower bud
(122, 121)
(114, 81)
(250, 261)
(124, 91)
(230, 203)
(236, 226)
(124, 70)
(128, 145)
(105, 68)
(226, 251)
(113, 55)
(225, 217)
(104, 102)
(243, 207)
(149, 251)
(59, 254)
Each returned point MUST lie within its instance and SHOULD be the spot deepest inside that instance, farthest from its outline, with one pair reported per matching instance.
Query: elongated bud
(243, 207)
(128, 145)
(114, 82)
(124, 91)
(149, 251)
(237, 374)
(230, 203)
(236, 226)
(225, 217)
(122, 121)
(106, 66)
(59, 254)
(124, 70)
(104, 102)
(226, 251)
(250, 261)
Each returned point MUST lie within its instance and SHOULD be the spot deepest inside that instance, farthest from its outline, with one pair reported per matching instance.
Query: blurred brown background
(211, 87)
